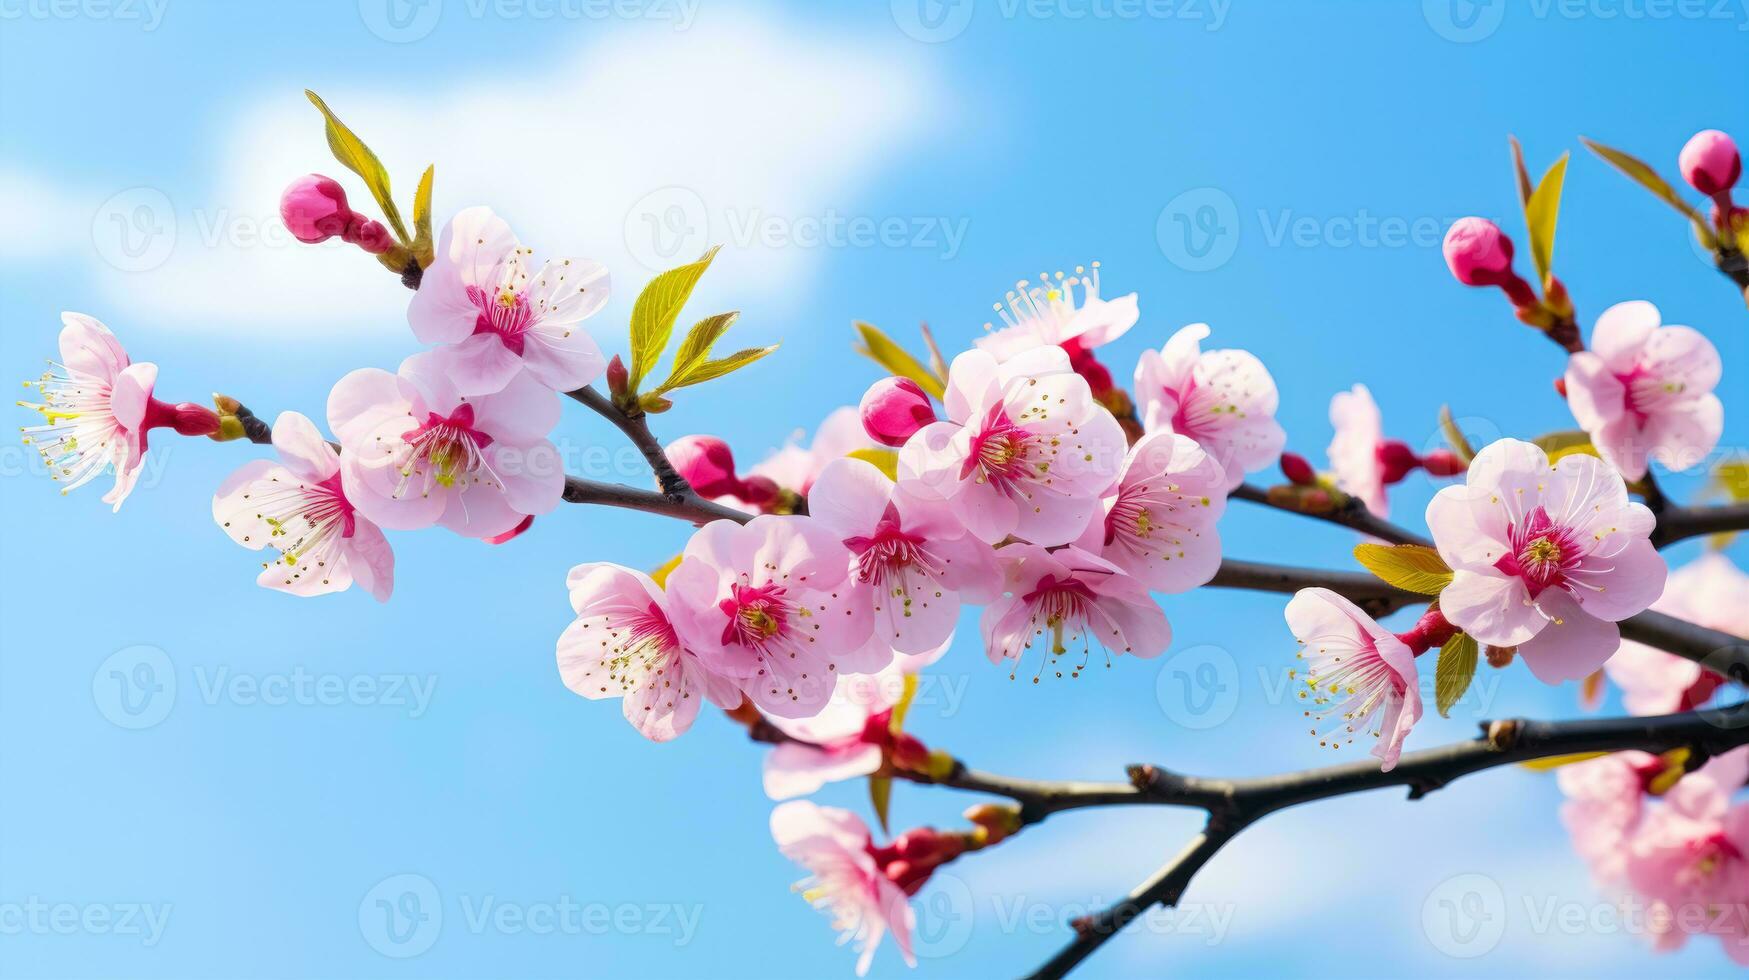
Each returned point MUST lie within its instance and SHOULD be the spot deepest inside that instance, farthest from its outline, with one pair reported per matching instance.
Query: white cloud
(643, 146)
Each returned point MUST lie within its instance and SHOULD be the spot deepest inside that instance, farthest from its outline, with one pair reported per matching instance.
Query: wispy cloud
(639, 150)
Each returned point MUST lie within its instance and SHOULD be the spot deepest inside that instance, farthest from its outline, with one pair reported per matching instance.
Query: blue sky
(1331, 142)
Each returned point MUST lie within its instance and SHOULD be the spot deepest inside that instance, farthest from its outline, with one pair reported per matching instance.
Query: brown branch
(1376, 596)
(1680, 523)
(1235, 804)
(637, 429)
(691, 507)
(1353, 515)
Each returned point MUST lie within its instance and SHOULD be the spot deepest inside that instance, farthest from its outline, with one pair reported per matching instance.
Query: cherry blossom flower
(1645, 390)
(419, 453)
(1605, 799)
(771, 603)
(1050, 313)
(1709, 591)
(912, 553)
(623, 645)
(1692, 853)
(844, 881)
(495, 314)
(851, 735)
(893, 409)
(298, 507)
(1159, 522)
(94, 408)
(795, 468)
(1078, 600)
(1547, 558)
(1026, 450)
(1354, 452)
(1357, 672)
(1224, 399)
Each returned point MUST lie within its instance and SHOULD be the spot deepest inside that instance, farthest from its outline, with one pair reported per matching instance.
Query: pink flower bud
(893, 409)
(368, 235)
(1443, 462)
(1710, 162)
(514, 532)
(187, 418)
(1297, 470)
(705, 462)
(761, 492)
(314, 208)
(1478, 252)
(909, 752)
(1396, 459)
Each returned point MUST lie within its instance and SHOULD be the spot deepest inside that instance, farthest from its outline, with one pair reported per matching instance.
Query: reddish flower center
(447, 450)
(1542, 553)
(757, 615)
(889, 550)
(1001, 453)
(505, 314)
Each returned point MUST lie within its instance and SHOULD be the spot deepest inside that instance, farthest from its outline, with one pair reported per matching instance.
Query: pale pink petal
(131, 393)
(1684, 436)
(1622, 332)
(235, 510)
(370, 559)
(522, 413)
(470, 252)
(1622, 584)
(360, 401)
(303, 450)
(849, 497)
(792, 769)
(1572, 645)
(1494, 609)
(478, 365)
(88, 347)
(562, 358)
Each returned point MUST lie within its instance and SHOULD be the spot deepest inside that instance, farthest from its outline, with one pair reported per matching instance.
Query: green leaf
(1569, 442)
(723, 365)
(1648, 178)
(357, 157)
(1453, 673)
(880, 793)
(1524, 186)
(423, 249)
(660, 574)
(881, 349)
(656, 309)
(696, 347)
(1540, 214)
(896, 723)
(885, 460)
(1557, 761)
(1454, 436)
(1416, 568)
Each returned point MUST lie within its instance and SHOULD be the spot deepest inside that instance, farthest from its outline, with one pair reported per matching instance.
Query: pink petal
(131, 393)
(1622, 332)
(234, 506)
(470, 251)
(371, 560)
(478, 365)
(1572, 645)
(360, 402)
(849, 497)
(1631, 580)
(522, 413)
(303, 450)
(88, 347)
(1492, 608)
(794, 770)
(563, 358)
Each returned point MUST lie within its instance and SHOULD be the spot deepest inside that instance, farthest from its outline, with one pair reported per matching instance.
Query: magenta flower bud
(761, 492)
(705, 462)
(1710, 162)
(893, 409)
(1478, 252)
(1396, 460)
(314, 209)
(1443, 462)
(368, 235)
(1297, 470)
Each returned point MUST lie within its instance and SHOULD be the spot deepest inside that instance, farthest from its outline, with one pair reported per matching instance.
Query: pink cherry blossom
(795, 467)
(893, 409)
(1693, 850)
(849, 737)
(299, 508)
(844, 881)
(1605, 799)
(94, 405)
(1645, 390)
(1159, 522)
(1073, 599)
(1547, 558)
(623, 645)
(1224, 399)
(771, 603)
(911, 553)
(1025, 449)
(1357, 672)
(1709, 591)
(1354, 452)
(1710, 163)
(496, 314)
(418, 453)
(1050, 313)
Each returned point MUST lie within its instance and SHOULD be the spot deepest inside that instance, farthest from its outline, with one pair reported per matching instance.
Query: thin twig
(1352, 515)
(637, 429)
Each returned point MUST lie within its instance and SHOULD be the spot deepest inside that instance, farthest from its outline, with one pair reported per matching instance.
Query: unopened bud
(1479, 254)
(1710, 162)
(706, 463)
(894, 408)
(1396, 459)
(1443, 462)
(1297, 470)
(618, 378)
(314, 208)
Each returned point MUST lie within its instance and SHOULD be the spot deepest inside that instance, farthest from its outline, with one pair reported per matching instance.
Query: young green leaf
(710, 370)
(1453, 673)
(1648, 178)
(423, 249)
(1413, 567)
(1540, 215)
(1560, 445)
(357, 157)
(1524, 185)
(696, 347)
(881, 349)
(655, 310)
(1454, 436)
(885, 460)
(896, 723)
(880, 794)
